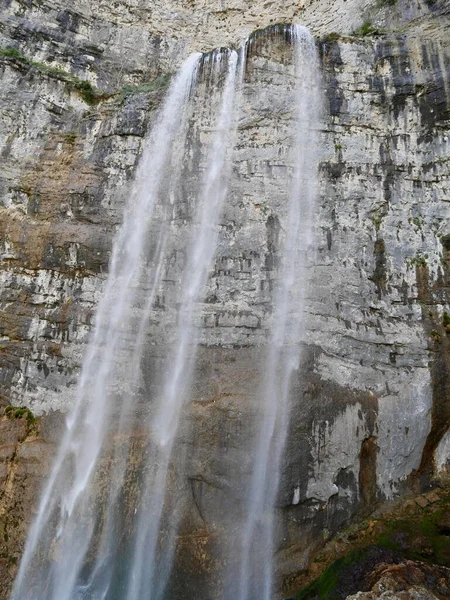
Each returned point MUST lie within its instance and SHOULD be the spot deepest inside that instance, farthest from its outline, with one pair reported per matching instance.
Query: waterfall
(255, 570)
(117, 540)
(145, 562)
(107, 407)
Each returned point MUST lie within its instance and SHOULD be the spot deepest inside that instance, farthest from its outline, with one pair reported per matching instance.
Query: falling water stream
(65, 513)
(84, 543)
(255, 573)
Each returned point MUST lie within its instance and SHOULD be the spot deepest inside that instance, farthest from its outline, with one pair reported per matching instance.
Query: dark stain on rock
(330, 55)
(329, 239)
(379, 276)
(331, 170)
(316, 405)
(68, 21)
(430, 294)
(273, 229)
(368, 473)
(432, 100)
(388, 182)
(395, 52)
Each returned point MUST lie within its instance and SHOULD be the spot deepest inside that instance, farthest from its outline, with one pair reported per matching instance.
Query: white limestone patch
(336, 446)
(404, 421)
(442, 454)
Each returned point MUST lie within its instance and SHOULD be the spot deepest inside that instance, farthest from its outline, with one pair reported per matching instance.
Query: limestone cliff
(80, 90)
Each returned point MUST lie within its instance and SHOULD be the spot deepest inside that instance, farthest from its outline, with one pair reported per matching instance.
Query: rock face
(372, 413)
(25, 459)
(406, 581)
(382, 573)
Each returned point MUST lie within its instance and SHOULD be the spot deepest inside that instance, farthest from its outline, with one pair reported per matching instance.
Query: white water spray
(254, 577)
(83, 542)
(65, 508)
(178, 370)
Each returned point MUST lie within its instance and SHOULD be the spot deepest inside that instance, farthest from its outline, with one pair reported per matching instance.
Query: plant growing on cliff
(86, 91)
(18, 412)
(435, 335)
(377, 219)
(367, 29)
(84, 88)
(417, 261)
(10, 53)
(331, 37)
(417, 222)
(446, 321)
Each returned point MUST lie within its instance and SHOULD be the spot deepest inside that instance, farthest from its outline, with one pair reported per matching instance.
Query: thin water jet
(253, 572)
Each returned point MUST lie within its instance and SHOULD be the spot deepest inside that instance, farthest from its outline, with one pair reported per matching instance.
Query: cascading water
(64, 513)
(117, 542)
(145, 562)
(105, 407)
(255, 570)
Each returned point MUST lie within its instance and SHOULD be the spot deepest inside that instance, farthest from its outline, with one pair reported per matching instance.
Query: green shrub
(17, 412)
(435, 335)
(331, 37)
(10, 53)
(367, 29)
(417, 261)
(83, 87)
(86, 91)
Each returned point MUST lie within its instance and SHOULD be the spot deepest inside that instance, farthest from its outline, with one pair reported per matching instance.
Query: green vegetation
(86, 91)
(446, 321)
(161, 82)
(367, 29)
(18, 412)
(324, 587)
(417, 222)
(377, 219)
(419, 539)
(417, 261)
(435, 335)
(10, 53)
(69, 137)
(419, 531)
